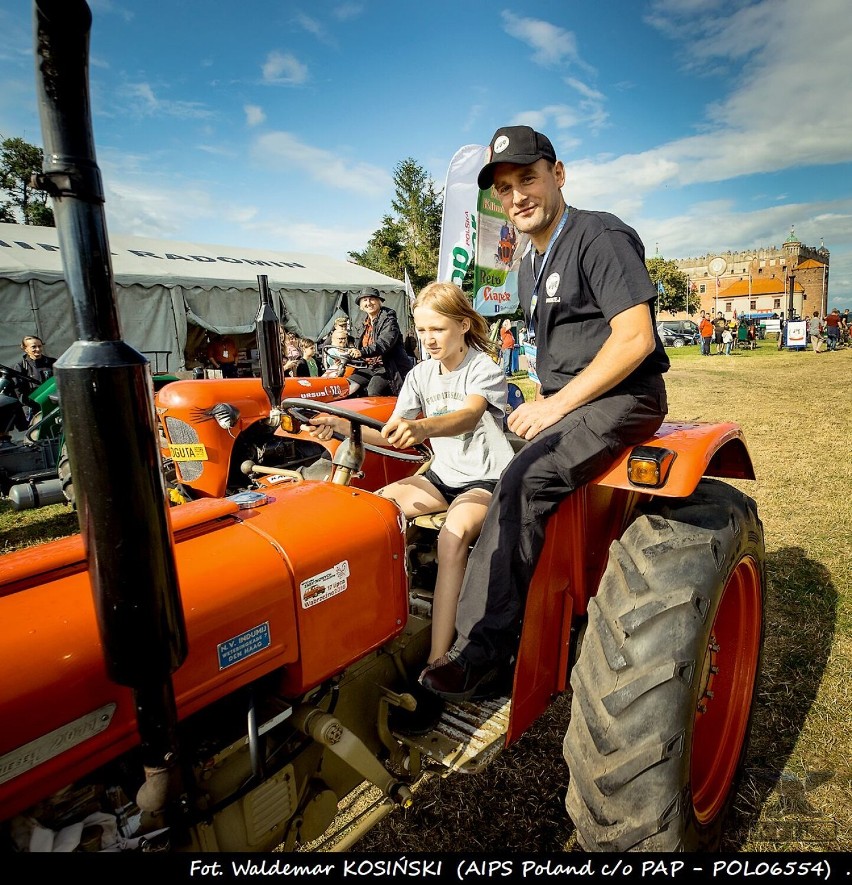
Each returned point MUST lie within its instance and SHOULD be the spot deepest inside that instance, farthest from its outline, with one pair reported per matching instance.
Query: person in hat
(378, 341)
(589, 302)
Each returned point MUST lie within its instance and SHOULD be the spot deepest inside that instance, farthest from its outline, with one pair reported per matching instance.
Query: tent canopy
(162, 286)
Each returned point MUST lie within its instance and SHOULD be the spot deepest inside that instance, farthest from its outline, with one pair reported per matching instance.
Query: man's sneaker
(454, 678)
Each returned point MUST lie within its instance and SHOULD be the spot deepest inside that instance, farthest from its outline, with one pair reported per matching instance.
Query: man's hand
(529, 419)
(402, 433)
(630, 341)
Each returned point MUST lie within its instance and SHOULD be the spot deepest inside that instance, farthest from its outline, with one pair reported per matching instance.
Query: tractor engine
(291, 639)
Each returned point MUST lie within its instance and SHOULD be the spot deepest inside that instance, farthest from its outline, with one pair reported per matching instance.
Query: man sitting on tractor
(588, 299)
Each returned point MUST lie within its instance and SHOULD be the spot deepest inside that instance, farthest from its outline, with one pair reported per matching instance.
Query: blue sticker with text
(232, 651)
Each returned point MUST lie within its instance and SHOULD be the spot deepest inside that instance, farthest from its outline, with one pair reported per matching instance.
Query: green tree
(23, 204)
(672, 285)
(410, 238)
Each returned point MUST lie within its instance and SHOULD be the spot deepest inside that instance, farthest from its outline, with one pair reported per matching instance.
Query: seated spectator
(309, 364)
(338, 355)
(341, 322)
(378, 341)
(291, 352)
(38, 367)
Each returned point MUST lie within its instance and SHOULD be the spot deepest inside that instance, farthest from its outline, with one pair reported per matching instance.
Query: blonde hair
(449, 301)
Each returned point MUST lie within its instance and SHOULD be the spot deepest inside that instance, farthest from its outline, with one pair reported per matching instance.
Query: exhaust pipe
(108, 407)
(269, 345)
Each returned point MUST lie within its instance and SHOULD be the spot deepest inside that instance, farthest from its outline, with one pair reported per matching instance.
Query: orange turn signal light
(287, 423)
(649, 466)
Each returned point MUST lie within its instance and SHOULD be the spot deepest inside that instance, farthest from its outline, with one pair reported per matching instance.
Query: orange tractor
(219, 676)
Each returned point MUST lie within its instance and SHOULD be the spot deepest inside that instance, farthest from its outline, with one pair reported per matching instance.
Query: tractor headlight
(226, 415)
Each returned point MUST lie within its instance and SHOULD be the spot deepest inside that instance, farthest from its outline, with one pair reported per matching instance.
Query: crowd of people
(825, 332)
(374, 348)
(831, 330)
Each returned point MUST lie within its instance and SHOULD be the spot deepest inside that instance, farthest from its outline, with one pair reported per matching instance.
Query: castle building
(792, 280)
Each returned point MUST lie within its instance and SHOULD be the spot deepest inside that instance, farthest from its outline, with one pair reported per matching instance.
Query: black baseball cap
(520, 145)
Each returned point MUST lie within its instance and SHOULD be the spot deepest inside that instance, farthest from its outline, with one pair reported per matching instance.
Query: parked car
(671, 338)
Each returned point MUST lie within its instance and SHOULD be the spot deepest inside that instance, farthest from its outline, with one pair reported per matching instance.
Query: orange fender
(700, 449)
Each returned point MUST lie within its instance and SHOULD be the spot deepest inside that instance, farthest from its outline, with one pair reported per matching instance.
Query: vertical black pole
(108, 407)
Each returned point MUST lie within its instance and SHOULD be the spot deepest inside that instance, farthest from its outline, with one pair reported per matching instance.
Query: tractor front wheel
(664, 685)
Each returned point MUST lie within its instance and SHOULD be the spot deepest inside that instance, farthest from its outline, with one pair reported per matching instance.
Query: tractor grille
(181, 432)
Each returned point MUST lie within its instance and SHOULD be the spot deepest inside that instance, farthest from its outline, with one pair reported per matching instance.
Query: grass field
(797, 792)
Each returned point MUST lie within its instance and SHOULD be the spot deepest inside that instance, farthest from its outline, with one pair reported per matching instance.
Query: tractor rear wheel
(664, 684)
(63, 469)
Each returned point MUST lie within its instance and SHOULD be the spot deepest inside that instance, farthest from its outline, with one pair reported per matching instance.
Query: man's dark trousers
(562, 458)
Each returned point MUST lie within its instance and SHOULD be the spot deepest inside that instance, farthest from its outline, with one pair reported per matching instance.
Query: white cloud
(585, 90)
(283, 68)
(254, 115)
(347, 11)
(313, 27)
(782, 112)
(146, 102)
(551, 44)
(166, 209)
(322, 165)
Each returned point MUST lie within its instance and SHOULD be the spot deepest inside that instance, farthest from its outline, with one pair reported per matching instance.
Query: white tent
(163, 287)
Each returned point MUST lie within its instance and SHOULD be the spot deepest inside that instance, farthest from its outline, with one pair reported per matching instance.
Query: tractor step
(468, 735)
(357, 813)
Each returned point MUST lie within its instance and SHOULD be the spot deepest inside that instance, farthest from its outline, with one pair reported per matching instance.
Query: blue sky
(705, 124)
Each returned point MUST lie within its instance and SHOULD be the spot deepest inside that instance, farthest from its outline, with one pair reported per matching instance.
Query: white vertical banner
(458, 224)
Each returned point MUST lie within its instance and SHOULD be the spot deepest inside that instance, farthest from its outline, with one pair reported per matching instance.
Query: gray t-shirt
(479, 454)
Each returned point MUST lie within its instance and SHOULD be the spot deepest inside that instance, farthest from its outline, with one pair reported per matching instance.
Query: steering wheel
(331, 352)
(297, 407)
(19, 375)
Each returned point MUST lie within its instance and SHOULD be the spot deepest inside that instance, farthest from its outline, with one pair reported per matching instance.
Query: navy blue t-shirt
(595, 270)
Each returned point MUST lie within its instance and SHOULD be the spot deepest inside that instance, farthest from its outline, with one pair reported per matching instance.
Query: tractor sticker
(323, 586)
(249, 643)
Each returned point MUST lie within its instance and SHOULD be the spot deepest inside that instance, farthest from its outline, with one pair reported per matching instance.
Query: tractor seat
(430, 520)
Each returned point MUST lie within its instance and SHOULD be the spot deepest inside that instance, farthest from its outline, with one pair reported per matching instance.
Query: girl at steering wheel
(457, 399)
